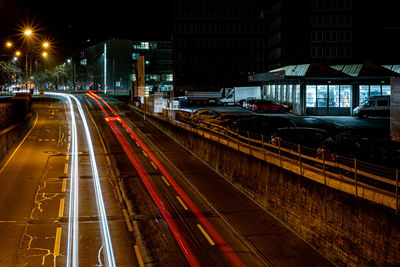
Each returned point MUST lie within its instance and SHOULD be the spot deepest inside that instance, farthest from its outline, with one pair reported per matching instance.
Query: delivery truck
(234, 95)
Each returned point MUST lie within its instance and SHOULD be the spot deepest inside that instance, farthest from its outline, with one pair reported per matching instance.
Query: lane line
(154, 165)
(182, 203)
(64, 185)
(20, 144)
(144, 153)
(165, 180)
(138, 256)
(206, 235)
(127, 220)
(61, 209)
(65, 168)
(57, 242)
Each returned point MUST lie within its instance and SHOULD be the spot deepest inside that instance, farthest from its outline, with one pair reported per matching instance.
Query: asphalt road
(68, 188)
(253, 235)
(35, 199)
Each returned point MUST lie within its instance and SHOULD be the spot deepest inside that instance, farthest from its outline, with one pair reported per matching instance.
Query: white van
(374, 106)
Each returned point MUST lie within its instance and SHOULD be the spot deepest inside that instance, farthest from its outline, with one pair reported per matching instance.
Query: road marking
(206, 235)
(68, 146)
(53, 140)
(127, 220)
(165, 180)
(67, 157)
(138, 256)
(40, 140)
(66, 168)
(64, 185)
(57, 242)
(20, 144)
(182, 203)
(61, 209)
(144, 153)
(154, 165)
(137, 144)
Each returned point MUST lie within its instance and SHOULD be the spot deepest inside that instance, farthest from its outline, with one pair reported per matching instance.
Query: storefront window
(345, 91)
(385, 89)
(322, 96)
(375, 90)
(334, 96)
(311, 96)
(284, 93)
(297, 94)
(272, 92)
(363, 92)
(278, 92)
(290, 91)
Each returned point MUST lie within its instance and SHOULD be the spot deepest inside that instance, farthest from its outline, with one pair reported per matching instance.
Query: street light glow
(28, 32)
(45, 44)
(44, 54)
(9, 44)
(18, 53)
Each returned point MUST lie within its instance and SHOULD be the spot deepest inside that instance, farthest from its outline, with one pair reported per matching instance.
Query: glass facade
(318, 96)
(366, 91)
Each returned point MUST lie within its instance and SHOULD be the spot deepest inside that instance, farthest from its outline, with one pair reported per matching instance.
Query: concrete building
(317, 89)
(108, 66)
(218, 43)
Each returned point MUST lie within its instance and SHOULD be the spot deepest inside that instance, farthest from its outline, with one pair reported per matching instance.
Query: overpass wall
(347, 230)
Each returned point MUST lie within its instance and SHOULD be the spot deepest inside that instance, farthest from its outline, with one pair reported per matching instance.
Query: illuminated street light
(28, 32)
(9, 44)
(45, 44)
(18, 53)
(44, 54)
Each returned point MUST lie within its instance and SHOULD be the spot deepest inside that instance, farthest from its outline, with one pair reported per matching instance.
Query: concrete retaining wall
(347, 230)
(10, 135)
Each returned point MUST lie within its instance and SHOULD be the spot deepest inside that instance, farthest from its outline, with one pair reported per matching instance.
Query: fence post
(397, 191)
(262, 140)
(301, 167)
(248, 142)
(279, 151)
(323, 165)
(237, 138)
(355, 175)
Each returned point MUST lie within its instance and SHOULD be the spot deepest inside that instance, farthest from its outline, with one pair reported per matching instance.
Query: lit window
(363, 92)
(345, 96)
(334, 96)
(385, 89)
(322, 96)
(311, 96)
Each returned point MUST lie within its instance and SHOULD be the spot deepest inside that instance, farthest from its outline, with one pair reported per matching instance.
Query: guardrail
(365, 180)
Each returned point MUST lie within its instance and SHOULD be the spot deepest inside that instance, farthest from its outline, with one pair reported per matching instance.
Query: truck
(203, 97)
(235, 94)
(395, 109)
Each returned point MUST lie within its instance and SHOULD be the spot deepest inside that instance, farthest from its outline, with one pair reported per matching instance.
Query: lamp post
(27, 34)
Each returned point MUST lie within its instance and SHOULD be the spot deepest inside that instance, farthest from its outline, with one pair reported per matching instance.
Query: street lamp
(27, 34)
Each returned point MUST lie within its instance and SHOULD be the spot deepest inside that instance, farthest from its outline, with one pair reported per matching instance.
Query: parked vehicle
(267, 106)
(205, 115)
(239, 93)
(241, 102)
(248, 103)
(203, 97)
(374, 106)
(309, 137)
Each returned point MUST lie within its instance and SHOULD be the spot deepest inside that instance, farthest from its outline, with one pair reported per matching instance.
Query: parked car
(374, 106)
(309, 137)
(268, 105)
(241, 102)
(248, 102)
(205, 115)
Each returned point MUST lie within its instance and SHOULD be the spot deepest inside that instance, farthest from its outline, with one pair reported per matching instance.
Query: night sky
(69, 24)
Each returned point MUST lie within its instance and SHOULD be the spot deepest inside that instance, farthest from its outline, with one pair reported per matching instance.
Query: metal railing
(362, 176)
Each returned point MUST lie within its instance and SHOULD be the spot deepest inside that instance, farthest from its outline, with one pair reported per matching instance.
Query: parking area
(367, 139)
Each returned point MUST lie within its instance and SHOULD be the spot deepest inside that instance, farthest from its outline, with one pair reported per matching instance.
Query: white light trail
(105, 231)
(73, 220)
(73, 238)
